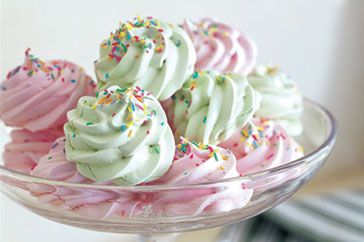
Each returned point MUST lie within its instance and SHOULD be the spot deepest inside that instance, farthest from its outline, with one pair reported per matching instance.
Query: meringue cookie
(149, 53)
(221, 47)
(88, 202)
(25, 149)
(212, 106)
(121, 134)
(196, 164)
(281, 99)
(37, 95)
(262, 144)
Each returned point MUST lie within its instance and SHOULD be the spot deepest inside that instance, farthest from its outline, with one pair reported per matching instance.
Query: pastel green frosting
(211, 106)
(120, 135)
(149, 53)
(281, 99)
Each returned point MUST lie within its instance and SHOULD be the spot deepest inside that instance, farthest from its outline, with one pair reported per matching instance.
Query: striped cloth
(338, 217)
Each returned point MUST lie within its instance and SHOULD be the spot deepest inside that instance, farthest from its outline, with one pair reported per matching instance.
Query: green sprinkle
(120, 90)
(74, 135)
(162, 123)
(89, 123)
(194, 142)
(124, 47)
(178, 43)
(156, 149)
(215, 156)
(106, 75)
(97, 94)
(195, 75)
(49, 157)
(204, 119)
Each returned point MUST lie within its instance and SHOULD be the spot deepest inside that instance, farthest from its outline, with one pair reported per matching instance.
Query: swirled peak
(198, 163)
(121, 134)
(262, 144)
(26, 148)
(221, 47)
(281, 99)
(37, 95)
(212, 106)
(149, 53)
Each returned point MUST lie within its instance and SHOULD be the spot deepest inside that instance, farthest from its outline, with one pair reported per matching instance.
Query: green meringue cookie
(121, 135)
(281, 99)
(212, 106)
(149, 53)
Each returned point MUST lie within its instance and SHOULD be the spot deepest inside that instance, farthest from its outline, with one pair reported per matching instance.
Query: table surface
(14, 218)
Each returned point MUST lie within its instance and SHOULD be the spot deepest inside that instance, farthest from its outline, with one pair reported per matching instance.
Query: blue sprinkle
(123, 127)
(73, 81)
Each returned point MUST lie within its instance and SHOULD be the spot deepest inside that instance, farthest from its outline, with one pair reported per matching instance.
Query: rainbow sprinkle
(119, 42)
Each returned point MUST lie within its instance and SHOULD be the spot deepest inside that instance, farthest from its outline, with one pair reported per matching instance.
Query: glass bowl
(150, 210)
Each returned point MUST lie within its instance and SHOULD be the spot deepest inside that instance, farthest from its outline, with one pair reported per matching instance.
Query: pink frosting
(91, 203)
(26, 148)
(37, 95)
(221, 47)
(196, 163)
(260, 145)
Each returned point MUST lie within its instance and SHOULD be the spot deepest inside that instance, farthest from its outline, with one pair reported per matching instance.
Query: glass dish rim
(149, 188)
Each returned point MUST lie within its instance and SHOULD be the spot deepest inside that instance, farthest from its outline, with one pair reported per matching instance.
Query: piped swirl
(149, 53)
(121, 134)
(212, 106)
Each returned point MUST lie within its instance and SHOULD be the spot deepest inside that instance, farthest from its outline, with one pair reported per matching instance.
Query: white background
(319, 43)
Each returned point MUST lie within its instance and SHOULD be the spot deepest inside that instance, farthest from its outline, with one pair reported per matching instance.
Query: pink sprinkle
(236, 144)
(270, 156)
(191, 156)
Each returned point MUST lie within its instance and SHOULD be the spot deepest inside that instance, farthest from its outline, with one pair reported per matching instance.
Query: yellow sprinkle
(130, 133)
(224, 157)
(121, 35)
(128, 26)
(130, 124)
(272, 70)
(222, 168)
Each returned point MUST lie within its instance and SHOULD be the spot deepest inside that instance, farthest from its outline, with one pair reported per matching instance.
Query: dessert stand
(267, 189)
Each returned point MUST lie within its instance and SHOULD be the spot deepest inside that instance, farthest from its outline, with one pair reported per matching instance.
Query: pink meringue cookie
(194, 164)
(87, 202)
(37, 95)
(260, 145)
(221, 47)
(25, 149)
